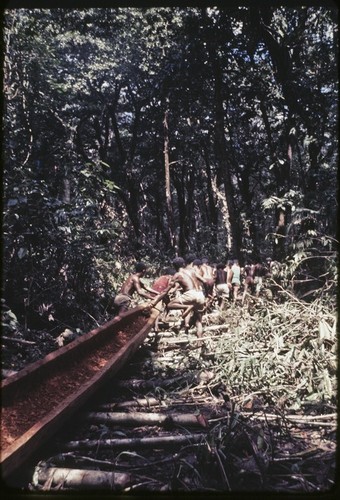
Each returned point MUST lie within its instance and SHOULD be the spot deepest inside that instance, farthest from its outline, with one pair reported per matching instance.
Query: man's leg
(177, 305)
(244, 292)
(235, 292)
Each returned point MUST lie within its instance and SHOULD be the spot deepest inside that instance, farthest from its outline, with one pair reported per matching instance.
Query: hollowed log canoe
(39, 399)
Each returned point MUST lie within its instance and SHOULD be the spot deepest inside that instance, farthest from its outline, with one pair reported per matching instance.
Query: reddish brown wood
(37, 400)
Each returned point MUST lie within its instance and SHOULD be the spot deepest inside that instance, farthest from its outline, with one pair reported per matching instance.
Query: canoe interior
(56, 364)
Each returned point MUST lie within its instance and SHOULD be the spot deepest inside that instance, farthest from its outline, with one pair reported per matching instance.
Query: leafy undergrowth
(284, 354)
(269, 370)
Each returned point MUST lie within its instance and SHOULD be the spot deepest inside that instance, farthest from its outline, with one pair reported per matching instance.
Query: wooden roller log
(61, 478)
(137, 418)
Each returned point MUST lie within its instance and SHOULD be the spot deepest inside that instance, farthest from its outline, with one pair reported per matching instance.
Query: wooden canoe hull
(18, 452)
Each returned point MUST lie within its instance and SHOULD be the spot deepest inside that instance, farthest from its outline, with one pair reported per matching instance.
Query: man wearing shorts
(192, 296)
(236, 279)
(222, 287)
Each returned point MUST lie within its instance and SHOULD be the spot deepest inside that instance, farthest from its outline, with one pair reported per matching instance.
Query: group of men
(192, 285)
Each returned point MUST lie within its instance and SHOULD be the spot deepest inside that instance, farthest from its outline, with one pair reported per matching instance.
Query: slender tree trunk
(222, 158)
(268, 129)
(66, 190)
(223, 218)
(213, 215)
(279, 251)
(183, 230)
(169, 209)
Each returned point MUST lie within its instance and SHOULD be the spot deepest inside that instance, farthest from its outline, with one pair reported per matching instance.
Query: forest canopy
(145, 133)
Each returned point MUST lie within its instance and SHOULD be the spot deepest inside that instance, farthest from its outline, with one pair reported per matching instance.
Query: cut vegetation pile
(275, 368)
(285, 354)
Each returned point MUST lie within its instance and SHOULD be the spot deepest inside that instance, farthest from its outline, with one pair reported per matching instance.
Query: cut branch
(18, 341)
(140, 385)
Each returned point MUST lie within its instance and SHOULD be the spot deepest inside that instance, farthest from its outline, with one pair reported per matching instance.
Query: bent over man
(192, 296)
(130, 286)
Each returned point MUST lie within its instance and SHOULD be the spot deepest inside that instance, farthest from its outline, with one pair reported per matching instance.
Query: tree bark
(66, 190)
(212, 202)
(224, 173)
(280, 237)
(168, 198)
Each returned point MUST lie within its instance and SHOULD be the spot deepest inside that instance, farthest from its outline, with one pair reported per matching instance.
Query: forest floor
(266, 380)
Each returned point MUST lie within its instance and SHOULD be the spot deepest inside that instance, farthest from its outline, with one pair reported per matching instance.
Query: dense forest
(146, 133)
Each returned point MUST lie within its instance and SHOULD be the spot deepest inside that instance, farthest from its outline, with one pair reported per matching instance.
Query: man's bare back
(191, 298)
(187, 279)
(131, 285)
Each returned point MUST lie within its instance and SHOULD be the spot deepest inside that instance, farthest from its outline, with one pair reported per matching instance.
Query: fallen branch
(78, 459)
(81, 460)
(139, 385)
(18, 341)
(318, 420)
(129, 404)
(310, 453)
(126, 443)
(300, 419)
(216, 327)
(90, 315)
(187, 339)
(136, 419)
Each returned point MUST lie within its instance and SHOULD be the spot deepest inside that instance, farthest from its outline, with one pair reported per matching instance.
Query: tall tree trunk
(184, 183)
(222, 157)
(213, 215)
(66, 190)
(183, 229)
(279, 251)
(168, 199)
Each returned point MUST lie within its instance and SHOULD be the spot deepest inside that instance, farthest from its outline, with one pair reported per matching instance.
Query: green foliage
(287, 354)
(85, 92)
(290, 199)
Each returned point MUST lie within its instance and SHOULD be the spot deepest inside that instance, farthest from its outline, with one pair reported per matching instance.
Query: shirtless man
(209, 277)
(229, 272)
(222, 287)
(192, 296)
(261, 271)
(130, 286)
(194, 266)
(249, 282)
(161, 285)
(197, 265)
